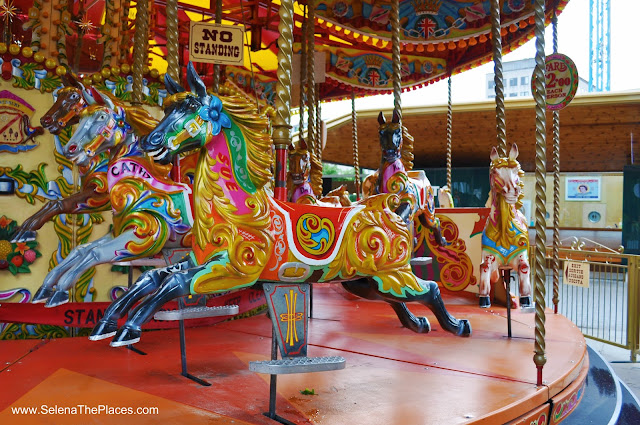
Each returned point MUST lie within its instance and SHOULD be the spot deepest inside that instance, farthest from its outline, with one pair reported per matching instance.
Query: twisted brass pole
(395, 57)
(303, 74)
(318, 126)
(496, 40)
(449, 139)
(356, 156)
(540, 97)
(106, 33)
(140, 49)
(556, 184)
(282, 119)
(216, 67)
(124, 30)
(312, 122)
(173, 66)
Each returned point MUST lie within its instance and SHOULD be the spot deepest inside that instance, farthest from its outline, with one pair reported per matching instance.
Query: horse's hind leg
(364, 289)
(174, 286)
(147, 283)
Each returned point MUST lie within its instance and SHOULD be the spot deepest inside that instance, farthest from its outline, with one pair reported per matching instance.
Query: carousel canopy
(438, 37)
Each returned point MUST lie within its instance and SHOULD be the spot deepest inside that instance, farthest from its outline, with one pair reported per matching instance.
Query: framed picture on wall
(582, 188)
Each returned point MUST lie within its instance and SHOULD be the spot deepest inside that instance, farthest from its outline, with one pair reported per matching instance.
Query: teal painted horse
(242, 236)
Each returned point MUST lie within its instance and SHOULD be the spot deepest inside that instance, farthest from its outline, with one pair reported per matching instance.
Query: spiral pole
(318, 125)
(313, 141)
(303, 74)
(140, 49)
(173, 67)
(395, 57)
(124, 31)
(540, 97)
(354, 134)
(556, 184)
(216, 67)
(496, 40)
(282, 119)
(106, 33)
(449, 129)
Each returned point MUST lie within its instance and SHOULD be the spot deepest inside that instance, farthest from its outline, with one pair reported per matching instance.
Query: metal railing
(608, 310)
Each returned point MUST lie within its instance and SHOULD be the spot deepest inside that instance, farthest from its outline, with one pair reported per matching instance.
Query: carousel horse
(243, 236)
(299, 181)
(150, 211)
(505, 239)
(395, 176)
(93, 197)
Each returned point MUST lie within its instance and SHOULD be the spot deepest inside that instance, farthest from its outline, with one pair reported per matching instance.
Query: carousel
(199, 270)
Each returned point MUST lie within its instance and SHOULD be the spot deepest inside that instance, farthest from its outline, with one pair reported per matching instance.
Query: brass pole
(173, 66)
(106, 33)
(140, 49)
(556, 184)
(395, 57)
(124, 30)
(216, 67)
(540, 97)
(356, 156)
(312, 123)
(496, 40)
(282, 119)
(449, 139)
(303, 73)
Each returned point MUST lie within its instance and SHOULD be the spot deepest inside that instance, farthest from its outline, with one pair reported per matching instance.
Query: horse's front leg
(173, 286)
(45, 291)
(106, 251)
(146, 284)
(433, 224)
(524, 278)
(488, 268)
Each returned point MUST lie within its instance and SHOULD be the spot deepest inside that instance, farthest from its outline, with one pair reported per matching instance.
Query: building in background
(517, 80)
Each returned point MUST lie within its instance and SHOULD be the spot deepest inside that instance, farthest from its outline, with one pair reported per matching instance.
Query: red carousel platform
(392, 375)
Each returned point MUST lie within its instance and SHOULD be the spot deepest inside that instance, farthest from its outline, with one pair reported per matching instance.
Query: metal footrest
(420, 261)
(197, 312)
(298, 365)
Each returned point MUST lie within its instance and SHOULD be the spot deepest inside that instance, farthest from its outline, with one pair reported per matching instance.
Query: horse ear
(381, 119)
(396, 117)
(70, 81)
(196, 84)
(171, 85)
(96, 95)
(494, 154)
(102, 99)
(513, 154)
(303, 144)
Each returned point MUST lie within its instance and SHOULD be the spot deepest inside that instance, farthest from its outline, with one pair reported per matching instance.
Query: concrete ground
(619, 359)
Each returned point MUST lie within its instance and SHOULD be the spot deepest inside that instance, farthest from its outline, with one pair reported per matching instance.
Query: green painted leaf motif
(50, 83)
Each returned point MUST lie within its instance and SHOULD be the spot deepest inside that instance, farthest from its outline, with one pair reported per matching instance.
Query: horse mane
(499, 230)
(407, 149)
(140, 119)
(222, 234)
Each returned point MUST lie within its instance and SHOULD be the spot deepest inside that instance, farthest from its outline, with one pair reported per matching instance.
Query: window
(514, 94)
(513, 82)
(524, 81)
(524, 93)
(491, 85)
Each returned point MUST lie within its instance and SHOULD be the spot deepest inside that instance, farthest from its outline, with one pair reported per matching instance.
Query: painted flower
(213, 113)
(21, 247)
(30, 255)
(4, 221)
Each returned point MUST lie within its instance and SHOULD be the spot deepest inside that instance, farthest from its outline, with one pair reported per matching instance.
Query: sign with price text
(562, 81)
(576, 273)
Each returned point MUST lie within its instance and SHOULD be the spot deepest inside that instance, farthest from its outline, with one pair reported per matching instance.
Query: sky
(573, 40)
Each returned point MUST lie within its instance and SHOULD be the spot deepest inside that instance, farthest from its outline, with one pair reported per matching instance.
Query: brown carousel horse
(395, 175)
(299, 181)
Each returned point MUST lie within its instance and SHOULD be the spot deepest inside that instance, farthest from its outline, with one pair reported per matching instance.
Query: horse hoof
(485, 301)
(423, 327)
(126, 336)
(525, 302)
(42, 294)
(104, 329)
(464, 328)
(58, 298)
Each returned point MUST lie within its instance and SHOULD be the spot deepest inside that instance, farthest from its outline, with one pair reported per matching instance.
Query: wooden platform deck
(392, 375)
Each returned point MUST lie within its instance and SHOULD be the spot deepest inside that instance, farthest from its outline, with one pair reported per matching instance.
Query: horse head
(71, 100)
(299, 163)
(390, 137)
(506, 176)
(102, 126)
(191, 118)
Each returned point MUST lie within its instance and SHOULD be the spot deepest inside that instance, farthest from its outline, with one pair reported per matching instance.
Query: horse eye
(73, 96)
